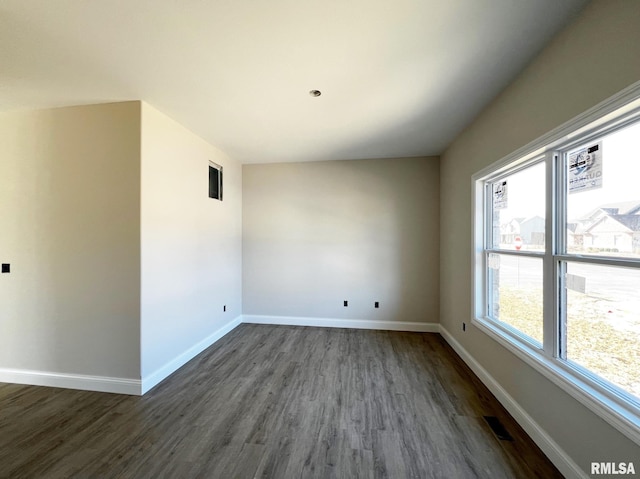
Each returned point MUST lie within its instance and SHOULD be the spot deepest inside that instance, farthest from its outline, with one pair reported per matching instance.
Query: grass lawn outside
(602, 335)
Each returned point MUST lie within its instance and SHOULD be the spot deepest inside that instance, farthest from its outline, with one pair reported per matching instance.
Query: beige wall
(69, 206)
(191, 244)
(592, 59)
(316, 234)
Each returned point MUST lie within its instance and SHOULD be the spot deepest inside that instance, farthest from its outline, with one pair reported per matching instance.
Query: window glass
(518, 210)
(515, 293)
(603, 322)
(603, 200)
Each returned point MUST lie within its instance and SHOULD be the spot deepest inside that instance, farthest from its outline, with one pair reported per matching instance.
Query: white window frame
(619, 409)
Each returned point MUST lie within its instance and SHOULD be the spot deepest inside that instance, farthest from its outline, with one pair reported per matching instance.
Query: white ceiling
(398, 77)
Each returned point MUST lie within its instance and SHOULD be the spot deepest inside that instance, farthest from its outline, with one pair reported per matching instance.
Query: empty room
(338, 239)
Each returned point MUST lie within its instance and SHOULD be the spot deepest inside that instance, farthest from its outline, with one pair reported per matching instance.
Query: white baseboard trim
(71, 381)
(176, 363)
(343, 323)
(552, 450)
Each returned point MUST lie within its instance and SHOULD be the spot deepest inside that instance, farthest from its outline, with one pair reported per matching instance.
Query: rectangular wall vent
(215, 181)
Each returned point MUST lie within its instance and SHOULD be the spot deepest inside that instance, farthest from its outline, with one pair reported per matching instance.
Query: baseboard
(71, 381)
(176, 363)
(552, 450)
(343, 323)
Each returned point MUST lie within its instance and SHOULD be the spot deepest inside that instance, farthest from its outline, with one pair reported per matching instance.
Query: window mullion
(560, 247)
(549, 302)
(560, 313)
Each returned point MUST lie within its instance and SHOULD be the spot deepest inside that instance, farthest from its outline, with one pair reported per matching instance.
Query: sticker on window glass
(500, 195)
(585, 168)
(494, 261)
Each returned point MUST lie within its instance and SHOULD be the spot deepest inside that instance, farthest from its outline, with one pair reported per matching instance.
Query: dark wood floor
(277, 402)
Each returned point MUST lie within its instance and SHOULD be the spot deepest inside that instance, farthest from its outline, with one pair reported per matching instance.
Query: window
(515, 244)
(215, 181)
(557, 257)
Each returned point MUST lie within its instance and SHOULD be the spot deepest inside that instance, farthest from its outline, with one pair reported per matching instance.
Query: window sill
(622, 415)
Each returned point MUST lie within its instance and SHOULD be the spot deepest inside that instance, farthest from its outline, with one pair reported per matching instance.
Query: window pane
(603, 201)
(518, 204)
(603, 322)
(515, 293)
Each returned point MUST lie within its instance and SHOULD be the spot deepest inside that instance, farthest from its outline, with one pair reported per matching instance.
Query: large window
(557, 257)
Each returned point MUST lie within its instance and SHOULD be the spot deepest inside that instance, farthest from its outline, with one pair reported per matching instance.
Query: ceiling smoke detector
(315, 93)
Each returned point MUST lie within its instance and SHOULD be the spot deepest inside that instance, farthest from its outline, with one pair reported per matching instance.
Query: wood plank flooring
(277, 402)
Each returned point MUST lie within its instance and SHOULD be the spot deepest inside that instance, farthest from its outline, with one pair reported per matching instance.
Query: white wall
(191, 244)
(592, 59)
(318, 233)
(69, 212)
